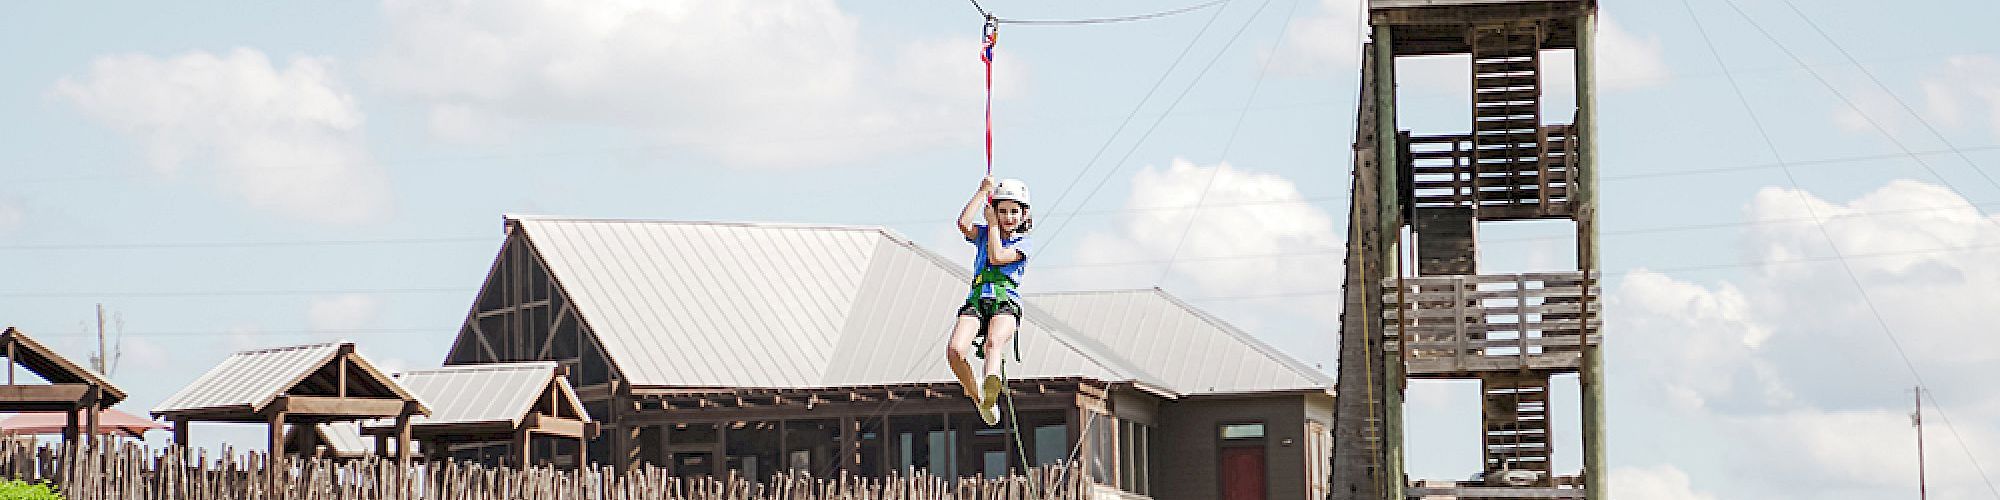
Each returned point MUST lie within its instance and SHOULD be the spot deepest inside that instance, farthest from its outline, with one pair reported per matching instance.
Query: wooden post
(275, 426)
(181, 433)
(522, 455)
(848, 445)
(1389, 196)
(1591, 375)
(403, 438)
(889, 457)
(91, 402)
(721, 466)
(70, 427)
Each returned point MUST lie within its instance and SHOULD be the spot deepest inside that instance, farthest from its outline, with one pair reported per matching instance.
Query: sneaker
(990, 399)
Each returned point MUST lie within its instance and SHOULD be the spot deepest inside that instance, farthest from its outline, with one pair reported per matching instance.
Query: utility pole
(1917, 419)
(99, 360)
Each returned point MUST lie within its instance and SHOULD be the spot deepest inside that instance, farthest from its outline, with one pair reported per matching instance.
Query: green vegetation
(22, 490)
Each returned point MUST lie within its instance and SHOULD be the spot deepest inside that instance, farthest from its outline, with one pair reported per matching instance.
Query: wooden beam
(555, 426)
(333, 406)
(72, 394)
(181, 433)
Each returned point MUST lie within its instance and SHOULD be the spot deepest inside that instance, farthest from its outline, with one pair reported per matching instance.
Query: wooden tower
(1416, 305)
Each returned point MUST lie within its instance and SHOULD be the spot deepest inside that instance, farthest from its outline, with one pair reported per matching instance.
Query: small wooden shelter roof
(48, 365)
(497, 396)
(327, 381)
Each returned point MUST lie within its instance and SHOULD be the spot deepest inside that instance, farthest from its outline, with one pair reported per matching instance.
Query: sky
(1796, 197)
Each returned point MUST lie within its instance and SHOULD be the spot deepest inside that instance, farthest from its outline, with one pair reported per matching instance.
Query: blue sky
(224, 176)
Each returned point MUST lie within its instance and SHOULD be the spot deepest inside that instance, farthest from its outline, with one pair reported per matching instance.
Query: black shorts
(986, 309)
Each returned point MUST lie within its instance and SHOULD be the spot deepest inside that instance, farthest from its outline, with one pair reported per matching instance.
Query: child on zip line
(992, 308)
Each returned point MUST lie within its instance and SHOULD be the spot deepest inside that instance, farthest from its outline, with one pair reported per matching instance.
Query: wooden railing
(131, 472)
(1442, 174)
(1461, 325)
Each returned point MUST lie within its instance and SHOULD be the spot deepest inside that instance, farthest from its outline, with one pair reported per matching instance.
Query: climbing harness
(1003, 289)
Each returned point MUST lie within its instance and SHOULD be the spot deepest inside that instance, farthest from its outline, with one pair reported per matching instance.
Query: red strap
(992, 33)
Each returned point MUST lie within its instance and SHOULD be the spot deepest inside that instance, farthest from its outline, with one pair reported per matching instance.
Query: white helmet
(1011, 190)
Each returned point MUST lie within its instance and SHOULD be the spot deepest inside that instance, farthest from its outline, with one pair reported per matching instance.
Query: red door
(1243, 473)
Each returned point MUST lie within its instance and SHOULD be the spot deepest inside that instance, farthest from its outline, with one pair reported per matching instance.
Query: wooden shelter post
(91, 403)
(522, 454)
(403, 439)
(276, 430)
(69, 426)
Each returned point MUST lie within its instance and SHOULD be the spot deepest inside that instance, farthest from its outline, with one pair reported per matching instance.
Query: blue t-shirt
(1013, 270)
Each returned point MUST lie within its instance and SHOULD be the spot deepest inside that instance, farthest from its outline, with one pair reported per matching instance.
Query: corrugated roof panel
(1179, 347)
(494, 392)
(251, 378)
(689, 304)
(706, 304)
(344, 438)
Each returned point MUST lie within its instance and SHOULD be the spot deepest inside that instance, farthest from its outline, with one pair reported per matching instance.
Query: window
(1234, 432)
(1133, 456)
(1051, 444)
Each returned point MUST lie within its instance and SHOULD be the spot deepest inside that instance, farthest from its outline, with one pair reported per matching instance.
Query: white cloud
(11, 213)
(1660, 482)
(1327, 41)
(762, 83)
(286, 139)
(1628, 60)
(340, 314)
(1794, 373)
(1969, 85)
(1291, 244)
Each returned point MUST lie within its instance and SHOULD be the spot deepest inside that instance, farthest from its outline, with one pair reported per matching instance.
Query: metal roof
(250, 380)
(343, 439)
(705, 304)
(1190, 351)
(495, 392)
(55, 368)
(728, 305)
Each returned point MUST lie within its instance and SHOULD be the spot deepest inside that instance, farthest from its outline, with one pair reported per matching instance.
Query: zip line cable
(1109, 20)
(1832, 244)
(1094, 20)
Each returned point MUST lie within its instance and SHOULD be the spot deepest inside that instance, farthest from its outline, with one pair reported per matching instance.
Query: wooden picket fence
(131, 472)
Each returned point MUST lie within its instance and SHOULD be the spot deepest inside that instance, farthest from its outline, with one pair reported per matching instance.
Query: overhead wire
(1227, 144)
(1866, 298)
(1148, 97)
(1141, 140)
(1974, 166)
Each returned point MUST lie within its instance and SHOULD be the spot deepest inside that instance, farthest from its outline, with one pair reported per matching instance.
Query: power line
(1948, 144)
(1279, 41)
(1832, 244)
(1092, 163)
(1141, 141)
